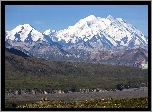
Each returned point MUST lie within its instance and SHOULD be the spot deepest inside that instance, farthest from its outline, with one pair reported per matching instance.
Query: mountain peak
(47, 32)
(24, 33)
(24, 26)
(28, 25)
(110, 17)
(89, 18)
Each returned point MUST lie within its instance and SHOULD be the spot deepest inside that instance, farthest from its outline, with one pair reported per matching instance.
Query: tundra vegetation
(34, 73)
(93, 103)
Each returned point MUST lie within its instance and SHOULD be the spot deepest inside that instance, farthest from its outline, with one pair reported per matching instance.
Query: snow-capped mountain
(24, 33)
(110, 31)
(90, 39)
(33, 43)
(95, 31)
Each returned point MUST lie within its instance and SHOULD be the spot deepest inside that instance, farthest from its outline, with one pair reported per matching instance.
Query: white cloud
(38, 22)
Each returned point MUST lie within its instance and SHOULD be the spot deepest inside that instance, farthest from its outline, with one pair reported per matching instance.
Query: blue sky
(59, 17)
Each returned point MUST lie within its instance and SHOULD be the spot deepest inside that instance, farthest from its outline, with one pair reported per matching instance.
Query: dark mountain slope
(133, 55)
(32, 73)
(16, 52)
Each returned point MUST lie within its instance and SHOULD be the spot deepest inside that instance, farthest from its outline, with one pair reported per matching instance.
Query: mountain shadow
(16, 52)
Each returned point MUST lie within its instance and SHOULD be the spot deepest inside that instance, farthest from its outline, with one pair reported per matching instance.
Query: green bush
(94, 103)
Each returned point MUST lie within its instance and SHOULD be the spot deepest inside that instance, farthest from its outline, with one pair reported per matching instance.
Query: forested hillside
(29, 73)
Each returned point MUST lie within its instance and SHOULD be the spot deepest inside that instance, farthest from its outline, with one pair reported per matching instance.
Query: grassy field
(93, 103)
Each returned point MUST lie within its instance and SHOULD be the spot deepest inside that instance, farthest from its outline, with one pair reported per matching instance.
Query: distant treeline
(25, 72)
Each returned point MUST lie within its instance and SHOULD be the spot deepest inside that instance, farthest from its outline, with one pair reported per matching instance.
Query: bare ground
(79, 96)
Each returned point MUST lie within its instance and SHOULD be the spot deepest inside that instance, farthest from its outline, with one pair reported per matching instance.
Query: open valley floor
(79, 96)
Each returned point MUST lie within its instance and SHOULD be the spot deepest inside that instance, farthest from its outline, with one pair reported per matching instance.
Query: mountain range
(90, 39)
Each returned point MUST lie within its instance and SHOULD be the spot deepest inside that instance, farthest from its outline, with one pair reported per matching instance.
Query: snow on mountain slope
(47, 32)
(24, 33)
(115, 31)
(89, 38)
(109, 31)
